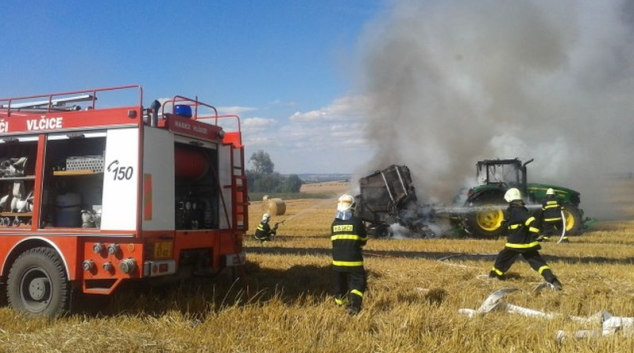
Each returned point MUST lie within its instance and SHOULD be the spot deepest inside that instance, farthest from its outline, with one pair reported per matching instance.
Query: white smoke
(455, 81)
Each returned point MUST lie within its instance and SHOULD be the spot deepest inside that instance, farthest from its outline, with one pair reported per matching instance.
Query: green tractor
(497, 176)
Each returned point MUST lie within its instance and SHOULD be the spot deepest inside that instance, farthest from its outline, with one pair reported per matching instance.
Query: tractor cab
(498, 175)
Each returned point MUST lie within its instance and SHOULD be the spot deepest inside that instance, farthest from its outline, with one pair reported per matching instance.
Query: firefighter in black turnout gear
(264, 232)
(551, 215)
(522, 240)
(348, 237)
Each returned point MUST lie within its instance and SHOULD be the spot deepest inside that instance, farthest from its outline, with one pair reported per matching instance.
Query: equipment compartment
(72, 192)
(17, 160)
(197, 196)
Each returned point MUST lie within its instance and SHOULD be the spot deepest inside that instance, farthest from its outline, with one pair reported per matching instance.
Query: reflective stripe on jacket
(551, 209)
(263, 231)
(523, 229)
(348, 237)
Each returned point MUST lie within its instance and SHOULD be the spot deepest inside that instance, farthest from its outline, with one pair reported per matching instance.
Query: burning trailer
(388, 198)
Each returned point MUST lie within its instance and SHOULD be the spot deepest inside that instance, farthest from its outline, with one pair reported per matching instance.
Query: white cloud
(259, 123)
(263, 142)
(326, 140)
(279, 102)
(340, 124)
(259, 132)
(341, 109)
(237, 110)
(308, 116)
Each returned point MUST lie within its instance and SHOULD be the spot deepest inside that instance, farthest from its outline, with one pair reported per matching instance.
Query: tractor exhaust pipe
(524, 180)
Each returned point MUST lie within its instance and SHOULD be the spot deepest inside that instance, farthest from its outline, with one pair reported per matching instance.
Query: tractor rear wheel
(486, 220)
(37, 283)
(573, 219)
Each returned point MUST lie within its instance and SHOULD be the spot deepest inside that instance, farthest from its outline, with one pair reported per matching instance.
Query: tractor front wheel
(486, 219)
(37, 283)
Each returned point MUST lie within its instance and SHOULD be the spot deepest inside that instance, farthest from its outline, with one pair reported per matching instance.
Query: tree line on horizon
(262, 177)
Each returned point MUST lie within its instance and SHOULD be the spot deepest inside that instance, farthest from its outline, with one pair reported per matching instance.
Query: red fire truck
(92, 195)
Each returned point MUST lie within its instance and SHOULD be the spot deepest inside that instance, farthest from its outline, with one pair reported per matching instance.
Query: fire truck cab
(92, 195)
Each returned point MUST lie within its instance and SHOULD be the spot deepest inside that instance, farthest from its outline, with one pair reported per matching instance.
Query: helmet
(265, 217)
(550, 191)
(345, 202)
(512, 194)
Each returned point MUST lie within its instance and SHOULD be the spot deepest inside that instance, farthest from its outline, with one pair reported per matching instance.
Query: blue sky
(288, 68)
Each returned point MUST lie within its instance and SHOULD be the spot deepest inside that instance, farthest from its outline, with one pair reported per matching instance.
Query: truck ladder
(51, 103)
(240, 196)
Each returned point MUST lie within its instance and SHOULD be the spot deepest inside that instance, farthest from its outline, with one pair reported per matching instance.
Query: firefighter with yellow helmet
(348, 236)
(552, 221)
(522, 240)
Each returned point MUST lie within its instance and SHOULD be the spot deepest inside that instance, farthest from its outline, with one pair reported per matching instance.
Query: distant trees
(292, 183)
(262, 163)
(263, 178)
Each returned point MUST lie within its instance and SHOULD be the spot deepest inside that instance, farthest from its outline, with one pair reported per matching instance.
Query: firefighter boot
(354, 306)
(341, 300)
(352, 310)
(496, 274)
(556, 285)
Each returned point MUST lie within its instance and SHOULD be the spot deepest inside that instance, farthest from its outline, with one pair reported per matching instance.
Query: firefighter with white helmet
(348, 236)
(522, 240)
(512, 194)
(264, 232)
(551, 216)
(345, 202)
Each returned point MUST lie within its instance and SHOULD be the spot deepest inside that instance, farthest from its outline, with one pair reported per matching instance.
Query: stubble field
(416, 288)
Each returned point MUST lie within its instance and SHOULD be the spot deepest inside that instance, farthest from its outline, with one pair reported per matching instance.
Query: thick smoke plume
(456, 81)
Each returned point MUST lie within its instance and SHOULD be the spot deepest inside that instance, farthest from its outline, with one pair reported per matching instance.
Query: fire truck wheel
(37, 283)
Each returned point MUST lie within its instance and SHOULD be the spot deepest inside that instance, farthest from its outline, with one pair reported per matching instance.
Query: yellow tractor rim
(489, 220)
(570, 220)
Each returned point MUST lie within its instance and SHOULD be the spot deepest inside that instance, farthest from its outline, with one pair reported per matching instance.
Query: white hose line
(563, 231)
